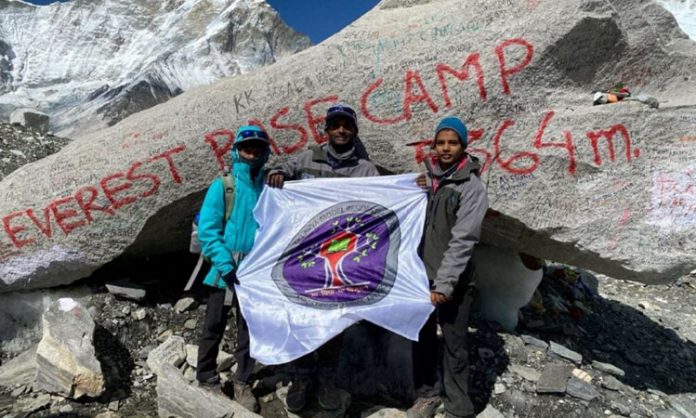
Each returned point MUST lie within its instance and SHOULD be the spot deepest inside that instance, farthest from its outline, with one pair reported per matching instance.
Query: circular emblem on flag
(346, 255)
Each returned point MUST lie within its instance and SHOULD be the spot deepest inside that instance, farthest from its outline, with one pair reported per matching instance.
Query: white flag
(330, 252)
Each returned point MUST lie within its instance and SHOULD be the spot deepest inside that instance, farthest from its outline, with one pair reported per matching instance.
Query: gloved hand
(230, 279)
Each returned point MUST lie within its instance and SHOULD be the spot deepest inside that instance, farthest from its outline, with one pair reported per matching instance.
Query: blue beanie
(248, 133)
(457, 126)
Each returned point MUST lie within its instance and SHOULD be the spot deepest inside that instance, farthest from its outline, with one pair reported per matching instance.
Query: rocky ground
(19, 146)
(626, 350)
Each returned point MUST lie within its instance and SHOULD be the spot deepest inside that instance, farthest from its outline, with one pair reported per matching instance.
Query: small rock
(30, 405)
(620, 408)
(564, 352)
(18, 153)
(20, 371)
(108, 414)
(525, 372)
(380, 411)
(656, 392)
(582, 375)
(224, 361)
(535, 342)
(127, 290)
(192, 355)
(94, 311)
(611, 383)
(113, 405)
(608, 368)
(647, 306)
(499, 388)
(126, 310)
(169, 352)
(19, 391)
(66, 409)
(490, 412)
(581, 390)
(267, 398)
(140, 314)
(185, 304)
(553, 379)
(165, 335)
(145, 351)
(190, 374)
(32, 119)
(191, 324)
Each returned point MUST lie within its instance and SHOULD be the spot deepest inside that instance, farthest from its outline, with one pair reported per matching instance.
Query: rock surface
(176, 397)
(567, 181)
(66, 361)
(20, 146)
(171, 352)
(127, 290)
(611, 324)
(20, 371)
(31, 119)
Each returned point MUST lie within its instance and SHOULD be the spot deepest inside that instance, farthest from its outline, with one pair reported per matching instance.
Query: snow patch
(66, 304)
(685, 13)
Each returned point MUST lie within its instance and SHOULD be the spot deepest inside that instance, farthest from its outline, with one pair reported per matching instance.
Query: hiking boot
(329, 397)
(297, 395)
(212, 385)
(244, 396)
(424, 407)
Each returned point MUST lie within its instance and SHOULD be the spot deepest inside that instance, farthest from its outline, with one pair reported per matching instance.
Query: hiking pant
(452, 378)
(326, 361)
(213, 329)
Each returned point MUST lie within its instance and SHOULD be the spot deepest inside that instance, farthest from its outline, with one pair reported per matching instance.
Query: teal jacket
(226, 247)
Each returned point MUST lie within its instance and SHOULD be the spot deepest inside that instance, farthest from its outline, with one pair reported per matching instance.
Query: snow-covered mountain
(89, 63)
(685, 13)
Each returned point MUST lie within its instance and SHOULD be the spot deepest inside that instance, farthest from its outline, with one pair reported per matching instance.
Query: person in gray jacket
(342, 156)
(456, 207)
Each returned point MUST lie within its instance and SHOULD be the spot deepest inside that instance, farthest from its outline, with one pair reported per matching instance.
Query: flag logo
(346, 255)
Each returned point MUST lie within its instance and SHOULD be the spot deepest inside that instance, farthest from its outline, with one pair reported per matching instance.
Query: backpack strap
(228, 184)
(194, 274)
(228, 188)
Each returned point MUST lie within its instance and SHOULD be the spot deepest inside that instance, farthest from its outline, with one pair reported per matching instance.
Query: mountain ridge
(100, 61)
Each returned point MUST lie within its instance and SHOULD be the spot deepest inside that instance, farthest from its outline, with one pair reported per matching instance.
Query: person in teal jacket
(225, 245)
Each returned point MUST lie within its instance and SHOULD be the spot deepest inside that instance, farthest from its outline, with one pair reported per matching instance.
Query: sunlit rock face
(608, 188)
(90, 63)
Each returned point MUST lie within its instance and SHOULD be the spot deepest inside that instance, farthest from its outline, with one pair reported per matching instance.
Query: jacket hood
(468, 165)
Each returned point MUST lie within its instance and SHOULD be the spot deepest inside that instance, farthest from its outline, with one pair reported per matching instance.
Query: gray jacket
(318, 162)
(453, 226)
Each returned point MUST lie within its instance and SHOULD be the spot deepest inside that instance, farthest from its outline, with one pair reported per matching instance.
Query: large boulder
(32, 119)
(608, 188)
(66, 360)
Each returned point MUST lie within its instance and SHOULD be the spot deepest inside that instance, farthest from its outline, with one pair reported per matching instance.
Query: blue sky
(318, 19)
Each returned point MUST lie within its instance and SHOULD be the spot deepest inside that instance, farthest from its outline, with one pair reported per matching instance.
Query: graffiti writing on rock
(490, 148)
(673, 203)
(90, 202)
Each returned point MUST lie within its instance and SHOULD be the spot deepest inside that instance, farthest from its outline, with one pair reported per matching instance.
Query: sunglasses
(341, 109)
(252, 134)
